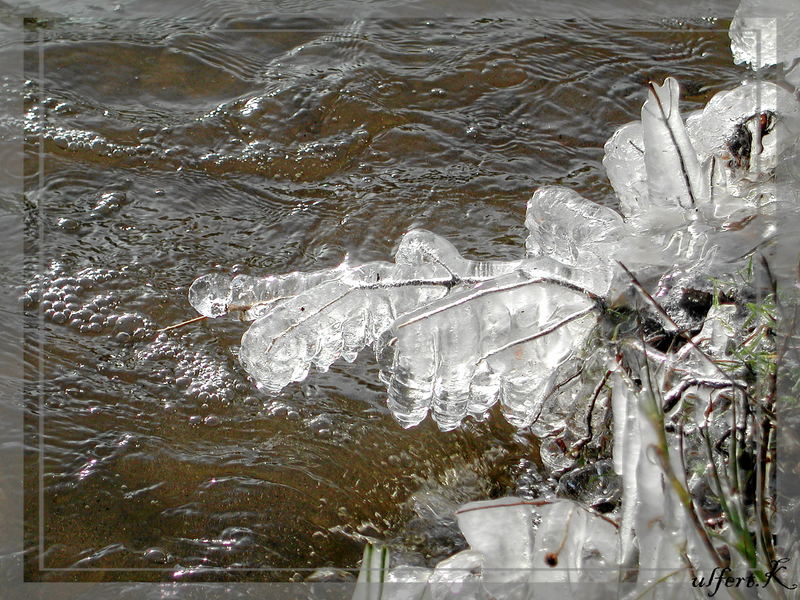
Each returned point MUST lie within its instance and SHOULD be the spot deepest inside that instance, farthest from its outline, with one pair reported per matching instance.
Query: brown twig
(669, 320)
(576, 447)
(672, 397)
(536, 503)
(183, 323)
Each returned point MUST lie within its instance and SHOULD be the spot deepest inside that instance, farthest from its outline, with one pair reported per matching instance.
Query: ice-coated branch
(454, 336)
(504, 340)
(668, 151)
(672, 397)
(541, 333)
(479, 292)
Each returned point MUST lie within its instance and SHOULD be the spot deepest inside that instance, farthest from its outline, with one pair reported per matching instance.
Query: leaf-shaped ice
(504, 339)
(573, 237)
(217, 294)
(334, 319)
(454, 336)
(312, 319)
(674, 178)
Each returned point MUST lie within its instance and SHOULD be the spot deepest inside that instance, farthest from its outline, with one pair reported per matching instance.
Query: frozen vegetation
(653, 309)
(454, 336)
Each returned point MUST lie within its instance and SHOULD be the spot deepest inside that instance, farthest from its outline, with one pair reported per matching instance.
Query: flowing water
(169, 140)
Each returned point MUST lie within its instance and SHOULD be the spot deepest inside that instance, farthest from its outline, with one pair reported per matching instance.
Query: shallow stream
(165, 141)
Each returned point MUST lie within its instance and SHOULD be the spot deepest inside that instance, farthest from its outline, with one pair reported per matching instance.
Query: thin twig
(681, 160)
(576, 447)
(536, 503)
(183, 323)
(669, 319)
(540, 333)
(412, 318)
(672, 397)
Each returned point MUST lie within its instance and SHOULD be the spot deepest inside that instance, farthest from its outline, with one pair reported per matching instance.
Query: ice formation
(543, 542)
(455, 336)
(766, 32)
(500, 340)
(697, 197)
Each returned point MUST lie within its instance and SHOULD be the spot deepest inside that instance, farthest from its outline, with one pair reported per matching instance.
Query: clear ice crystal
(459, 578)
(510, 554)
(595, 484)
(573, 237)
(765, 32)
(674, 178)
(406, 583)
(504, 339)
(625, 167)
(419, 246)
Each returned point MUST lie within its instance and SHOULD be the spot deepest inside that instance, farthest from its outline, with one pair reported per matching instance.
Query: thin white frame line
(346, 34)
(354, 569)
(40, 263)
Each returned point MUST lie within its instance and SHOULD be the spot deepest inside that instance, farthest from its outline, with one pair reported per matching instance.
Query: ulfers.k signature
(722, 576)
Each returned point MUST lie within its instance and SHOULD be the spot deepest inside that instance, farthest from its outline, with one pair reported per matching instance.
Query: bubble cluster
(39, 120)
(108, 203)
(93, 302)
(78, 302)
(197, 375)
